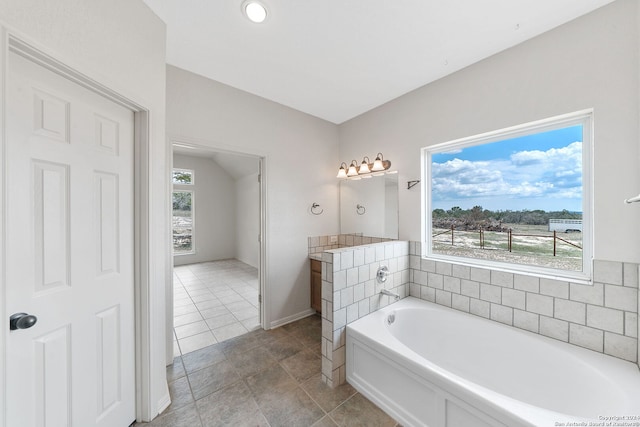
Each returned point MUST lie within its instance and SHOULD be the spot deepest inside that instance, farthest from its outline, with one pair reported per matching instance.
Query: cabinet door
(316, 285)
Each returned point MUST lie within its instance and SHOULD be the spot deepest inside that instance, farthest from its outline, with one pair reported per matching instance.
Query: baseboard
(289, 319)
(164, 403)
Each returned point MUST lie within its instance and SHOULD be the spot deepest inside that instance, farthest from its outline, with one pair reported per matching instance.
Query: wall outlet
(333, 239)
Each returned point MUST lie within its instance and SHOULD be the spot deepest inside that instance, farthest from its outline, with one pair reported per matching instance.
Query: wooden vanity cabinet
(316, 285)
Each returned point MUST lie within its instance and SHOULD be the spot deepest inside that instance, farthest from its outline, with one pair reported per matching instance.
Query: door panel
(69, 177)
(53, 378)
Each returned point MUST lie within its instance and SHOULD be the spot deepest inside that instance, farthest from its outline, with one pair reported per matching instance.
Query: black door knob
(22, 321)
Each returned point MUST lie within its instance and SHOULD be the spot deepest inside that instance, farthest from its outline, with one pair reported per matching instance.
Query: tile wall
(350, 291)
(602, 317)
(319, 244)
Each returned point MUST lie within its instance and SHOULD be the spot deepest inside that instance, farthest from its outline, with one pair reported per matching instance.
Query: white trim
(11, 40)
(265, 315)
(290, 319)
(168, 293)
(3, 291)
(207, 145)
(584, 117)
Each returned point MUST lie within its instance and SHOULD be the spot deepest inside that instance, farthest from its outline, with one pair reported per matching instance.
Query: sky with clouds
(540, 171)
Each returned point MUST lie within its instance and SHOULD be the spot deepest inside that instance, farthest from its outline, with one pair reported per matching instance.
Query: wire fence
(510, 238)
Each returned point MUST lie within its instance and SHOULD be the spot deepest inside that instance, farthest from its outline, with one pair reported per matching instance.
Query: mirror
(370, 206)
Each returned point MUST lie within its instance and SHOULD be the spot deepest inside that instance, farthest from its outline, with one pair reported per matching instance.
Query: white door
(69, 260)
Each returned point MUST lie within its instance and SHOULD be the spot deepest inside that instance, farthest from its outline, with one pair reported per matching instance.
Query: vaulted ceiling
(336, 59)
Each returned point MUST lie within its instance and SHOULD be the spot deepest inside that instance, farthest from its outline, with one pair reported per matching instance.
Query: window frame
(584, 118)
(193, 222)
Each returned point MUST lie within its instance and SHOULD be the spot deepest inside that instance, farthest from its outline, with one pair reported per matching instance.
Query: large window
(183, 212)
(518, 198)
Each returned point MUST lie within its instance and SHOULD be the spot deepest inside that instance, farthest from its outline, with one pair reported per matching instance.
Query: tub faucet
(391, 294)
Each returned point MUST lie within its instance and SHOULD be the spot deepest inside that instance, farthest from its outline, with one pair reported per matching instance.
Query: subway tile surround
(602, 317)
(350, 291)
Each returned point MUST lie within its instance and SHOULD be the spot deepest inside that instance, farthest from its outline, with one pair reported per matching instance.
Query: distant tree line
(478, 214)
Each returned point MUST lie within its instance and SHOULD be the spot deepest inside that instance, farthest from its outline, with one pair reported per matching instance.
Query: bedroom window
(516, 198)
(183, 212)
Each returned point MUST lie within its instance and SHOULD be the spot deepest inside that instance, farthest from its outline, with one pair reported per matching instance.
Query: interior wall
(215, 115)
(248, 220)
(103, 40)
(214, 212)
(591, 62)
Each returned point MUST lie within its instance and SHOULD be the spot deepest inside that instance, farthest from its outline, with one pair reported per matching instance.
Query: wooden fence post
(510, 240)
(554, 242)
(452, 235)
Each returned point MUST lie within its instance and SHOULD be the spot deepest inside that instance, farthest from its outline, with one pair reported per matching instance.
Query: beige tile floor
(212, 302)
(263, 378)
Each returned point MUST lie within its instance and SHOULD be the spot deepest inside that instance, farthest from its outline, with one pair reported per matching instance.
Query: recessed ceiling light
(255, 11)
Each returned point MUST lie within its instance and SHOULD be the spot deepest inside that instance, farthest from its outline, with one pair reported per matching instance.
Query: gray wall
(211, 114)
(591, 62)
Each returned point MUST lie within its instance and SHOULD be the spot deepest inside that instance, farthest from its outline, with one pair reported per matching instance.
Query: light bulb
(352, 169)
(377, 164)
(364, 167)
(255, 11)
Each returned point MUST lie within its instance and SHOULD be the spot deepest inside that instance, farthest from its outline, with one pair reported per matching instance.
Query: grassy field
(524, 250)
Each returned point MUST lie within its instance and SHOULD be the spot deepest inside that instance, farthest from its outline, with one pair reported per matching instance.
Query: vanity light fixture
(353, 169)
(366, 169)
(255, 11)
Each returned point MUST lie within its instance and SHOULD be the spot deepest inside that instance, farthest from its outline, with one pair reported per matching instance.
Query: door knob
(21, 321)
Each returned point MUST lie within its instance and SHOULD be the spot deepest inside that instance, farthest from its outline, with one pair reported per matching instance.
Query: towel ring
(360, 210)
(314, 207)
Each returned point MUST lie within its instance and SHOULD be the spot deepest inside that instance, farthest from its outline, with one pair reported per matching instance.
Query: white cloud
(555, 173)
(570, 154)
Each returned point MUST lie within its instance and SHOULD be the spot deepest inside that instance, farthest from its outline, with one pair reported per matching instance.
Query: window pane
(517, 200)
(182, 176)
(182, 221)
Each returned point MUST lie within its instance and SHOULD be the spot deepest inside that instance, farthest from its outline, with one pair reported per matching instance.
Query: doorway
(217, 210)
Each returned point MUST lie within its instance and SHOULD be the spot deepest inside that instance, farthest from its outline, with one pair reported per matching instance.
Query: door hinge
(259, 239)
(260, 299)
(259, 177)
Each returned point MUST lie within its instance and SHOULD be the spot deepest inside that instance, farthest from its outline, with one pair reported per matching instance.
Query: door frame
(12, 41)
(206, 145)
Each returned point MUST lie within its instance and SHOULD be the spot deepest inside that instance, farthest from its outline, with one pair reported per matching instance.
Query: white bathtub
(436, 366)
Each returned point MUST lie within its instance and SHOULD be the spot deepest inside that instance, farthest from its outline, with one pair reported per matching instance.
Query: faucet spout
(389, 293)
